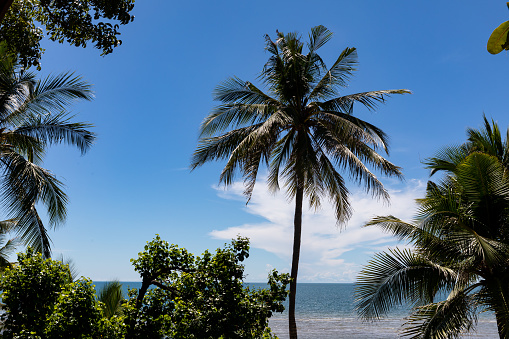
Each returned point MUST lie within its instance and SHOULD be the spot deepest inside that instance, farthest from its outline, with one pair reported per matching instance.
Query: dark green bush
(182, 296)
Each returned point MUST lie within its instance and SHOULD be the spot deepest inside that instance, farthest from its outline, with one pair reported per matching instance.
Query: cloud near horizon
(329, 253)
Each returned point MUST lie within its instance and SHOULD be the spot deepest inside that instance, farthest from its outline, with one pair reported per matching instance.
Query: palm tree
(33, 116)
(303, 130)
(111, 296)
(461, 246)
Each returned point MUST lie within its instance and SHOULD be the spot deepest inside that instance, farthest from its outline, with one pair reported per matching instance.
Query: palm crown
(302, 129)
(461, 245)
(33, 116)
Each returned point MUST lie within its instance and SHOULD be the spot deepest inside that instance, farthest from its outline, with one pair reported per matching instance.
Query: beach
(332, 328)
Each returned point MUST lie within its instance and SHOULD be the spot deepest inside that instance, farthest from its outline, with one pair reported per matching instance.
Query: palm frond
(400, 229)
(28, 124)
(352, 130)
(71, 265)
(370, 100)
(398, 276)
(487, 140)
(318, 37)
(442, 320)
(219, 147)
(259, 141)
(360, 172)
(337, 76)
(57, 91)
(482, 175)
(6, 251)
(15, 90)
(6, 226)
(32, 232)
(335, 185)
(235, 115)
(447, 159)
(280, 155)
(58, 128)
(53, 93)
(111, 296)
(235, 90)
(28, 146)
(26, 184)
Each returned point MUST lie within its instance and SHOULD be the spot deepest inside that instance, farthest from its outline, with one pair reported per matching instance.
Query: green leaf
(498, 39)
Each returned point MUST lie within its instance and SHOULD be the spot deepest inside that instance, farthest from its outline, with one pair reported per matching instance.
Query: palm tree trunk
(498, 292)
(502, 325)
(297, 224)
(502, 309)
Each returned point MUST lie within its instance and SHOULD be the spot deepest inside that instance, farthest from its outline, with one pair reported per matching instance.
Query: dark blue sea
(326, 311)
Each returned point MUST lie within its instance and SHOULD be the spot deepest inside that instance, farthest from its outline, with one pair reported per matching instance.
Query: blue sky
(155, 89)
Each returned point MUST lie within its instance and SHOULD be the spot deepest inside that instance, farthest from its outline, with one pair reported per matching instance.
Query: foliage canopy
(75, 22)
(200, 297)
(182, 296)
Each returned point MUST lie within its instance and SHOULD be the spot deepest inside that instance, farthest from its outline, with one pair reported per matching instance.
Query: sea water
(327, 311)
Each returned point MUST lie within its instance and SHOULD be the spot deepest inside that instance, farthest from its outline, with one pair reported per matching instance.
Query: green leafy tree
(75, 22)
(461, 246)
(76, 313)
(200, 297)
(303, 130)
(42, 301)
(182, 296)
(30, 290)
(32, 117)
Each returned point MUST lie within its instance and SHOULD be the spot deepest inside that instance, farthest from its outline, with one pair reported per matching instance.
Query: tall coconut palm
(303, 130)
(32, 117)
(461, 247)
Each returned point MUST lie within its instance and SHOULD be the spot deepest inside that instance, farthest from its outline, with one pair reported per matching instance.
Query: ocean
(326, 311)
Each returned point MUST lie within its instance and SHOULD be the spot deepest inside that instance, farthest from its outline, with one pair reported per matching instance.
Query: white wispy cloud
(328, 253)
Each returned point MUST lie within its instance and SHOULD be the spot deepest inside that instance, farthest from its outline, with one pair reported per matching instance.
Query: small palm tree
(303, 130)
(461, 246)
(111, 296)
(33, 116)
